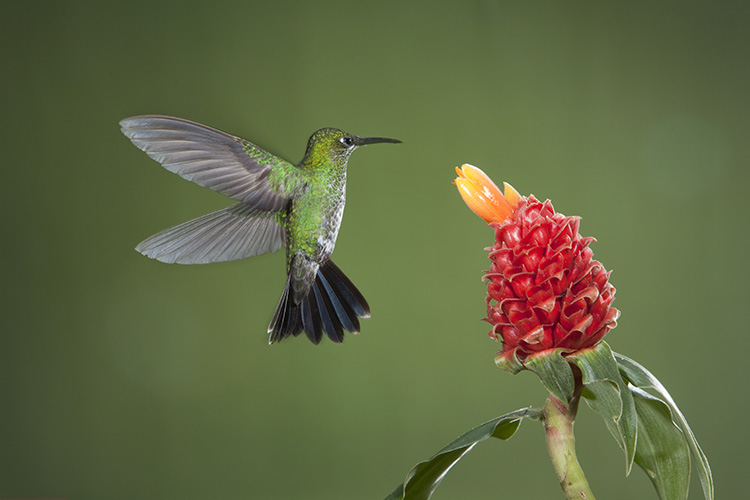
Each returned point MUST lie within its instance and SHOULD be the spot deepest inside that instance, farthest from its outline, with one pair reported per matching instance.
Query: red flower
(545, 291)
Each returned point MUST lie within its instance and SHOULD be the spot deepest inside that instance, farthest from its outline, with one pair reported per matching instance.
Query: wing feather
(233, 233)
(214, 159)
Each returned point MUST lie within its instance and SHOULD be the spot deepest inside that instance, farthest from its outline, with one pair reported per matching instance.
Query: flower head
(544, 289)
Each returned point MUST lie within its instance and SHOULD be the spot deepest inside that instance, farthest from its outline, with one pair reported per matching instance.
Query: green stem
(558, 426)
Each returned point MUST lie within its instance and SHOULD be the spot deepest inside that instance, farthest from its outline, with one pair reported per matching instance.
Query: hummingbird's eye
(347, 141)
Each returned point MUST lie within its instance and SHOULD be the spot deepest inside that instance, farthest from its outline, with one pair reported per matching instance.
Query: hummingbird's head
(331, 144)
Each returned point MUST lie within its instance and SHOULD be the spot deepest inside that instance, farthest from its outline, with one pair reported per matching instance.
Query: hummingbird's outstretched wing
(233, 233)
(211, 158)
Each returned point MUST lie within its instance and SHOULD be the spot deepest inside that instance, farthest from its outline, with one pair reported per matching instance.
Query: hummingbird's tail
(333, 306)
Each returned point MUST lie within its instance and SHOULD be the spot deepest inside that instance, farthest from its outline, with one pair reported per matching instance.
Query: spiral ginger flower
(544, 289)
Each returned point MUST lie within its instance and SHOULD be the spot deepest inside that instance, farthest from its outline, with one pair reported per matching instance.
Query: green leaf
(425, 477)
(555, 372)
(662, 451)
(510, 364)
(607, 394)
(640, 377)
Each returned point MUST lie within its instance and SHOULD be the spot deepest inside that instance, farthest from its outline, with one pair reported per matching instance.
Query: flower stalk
(558, 429)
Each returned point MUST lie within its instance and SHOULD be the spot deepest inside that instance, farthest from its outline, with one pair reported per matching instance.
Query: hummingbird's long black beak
(363, 141)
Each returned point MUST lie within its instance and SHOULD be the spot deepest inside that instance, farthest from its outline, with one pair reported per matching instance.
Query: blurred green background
(121, 377)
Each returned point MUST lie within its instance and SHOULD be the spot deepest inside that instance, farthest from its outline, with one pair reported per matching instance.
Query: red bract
(545, 290)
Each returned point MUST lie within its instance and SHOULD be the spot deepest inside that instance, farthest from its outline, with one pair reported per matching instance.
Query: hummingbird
(298, 206)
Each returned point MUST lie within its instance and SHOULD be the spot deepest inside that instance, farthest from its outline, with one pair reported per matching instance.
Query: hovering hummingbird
(298, 206)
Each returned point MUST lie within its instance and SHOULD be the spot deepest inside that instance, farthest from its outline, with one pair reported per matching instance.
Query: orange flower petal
(481, 195)
(511, 195)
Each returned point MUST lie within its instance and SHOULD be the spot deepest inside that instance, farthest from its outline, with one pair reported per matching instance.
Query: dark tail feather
(345, 290)
(333, 307)
(285, 319)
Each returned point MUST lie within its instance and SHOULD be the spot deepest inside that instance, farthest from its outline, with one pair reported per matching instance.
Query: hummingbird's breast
(334, 199)
(331, 226)
(315, 217)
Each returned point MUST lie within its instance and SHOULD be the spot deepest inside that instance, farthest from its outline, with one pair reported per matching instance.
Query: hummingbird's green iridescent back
(298, 206)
